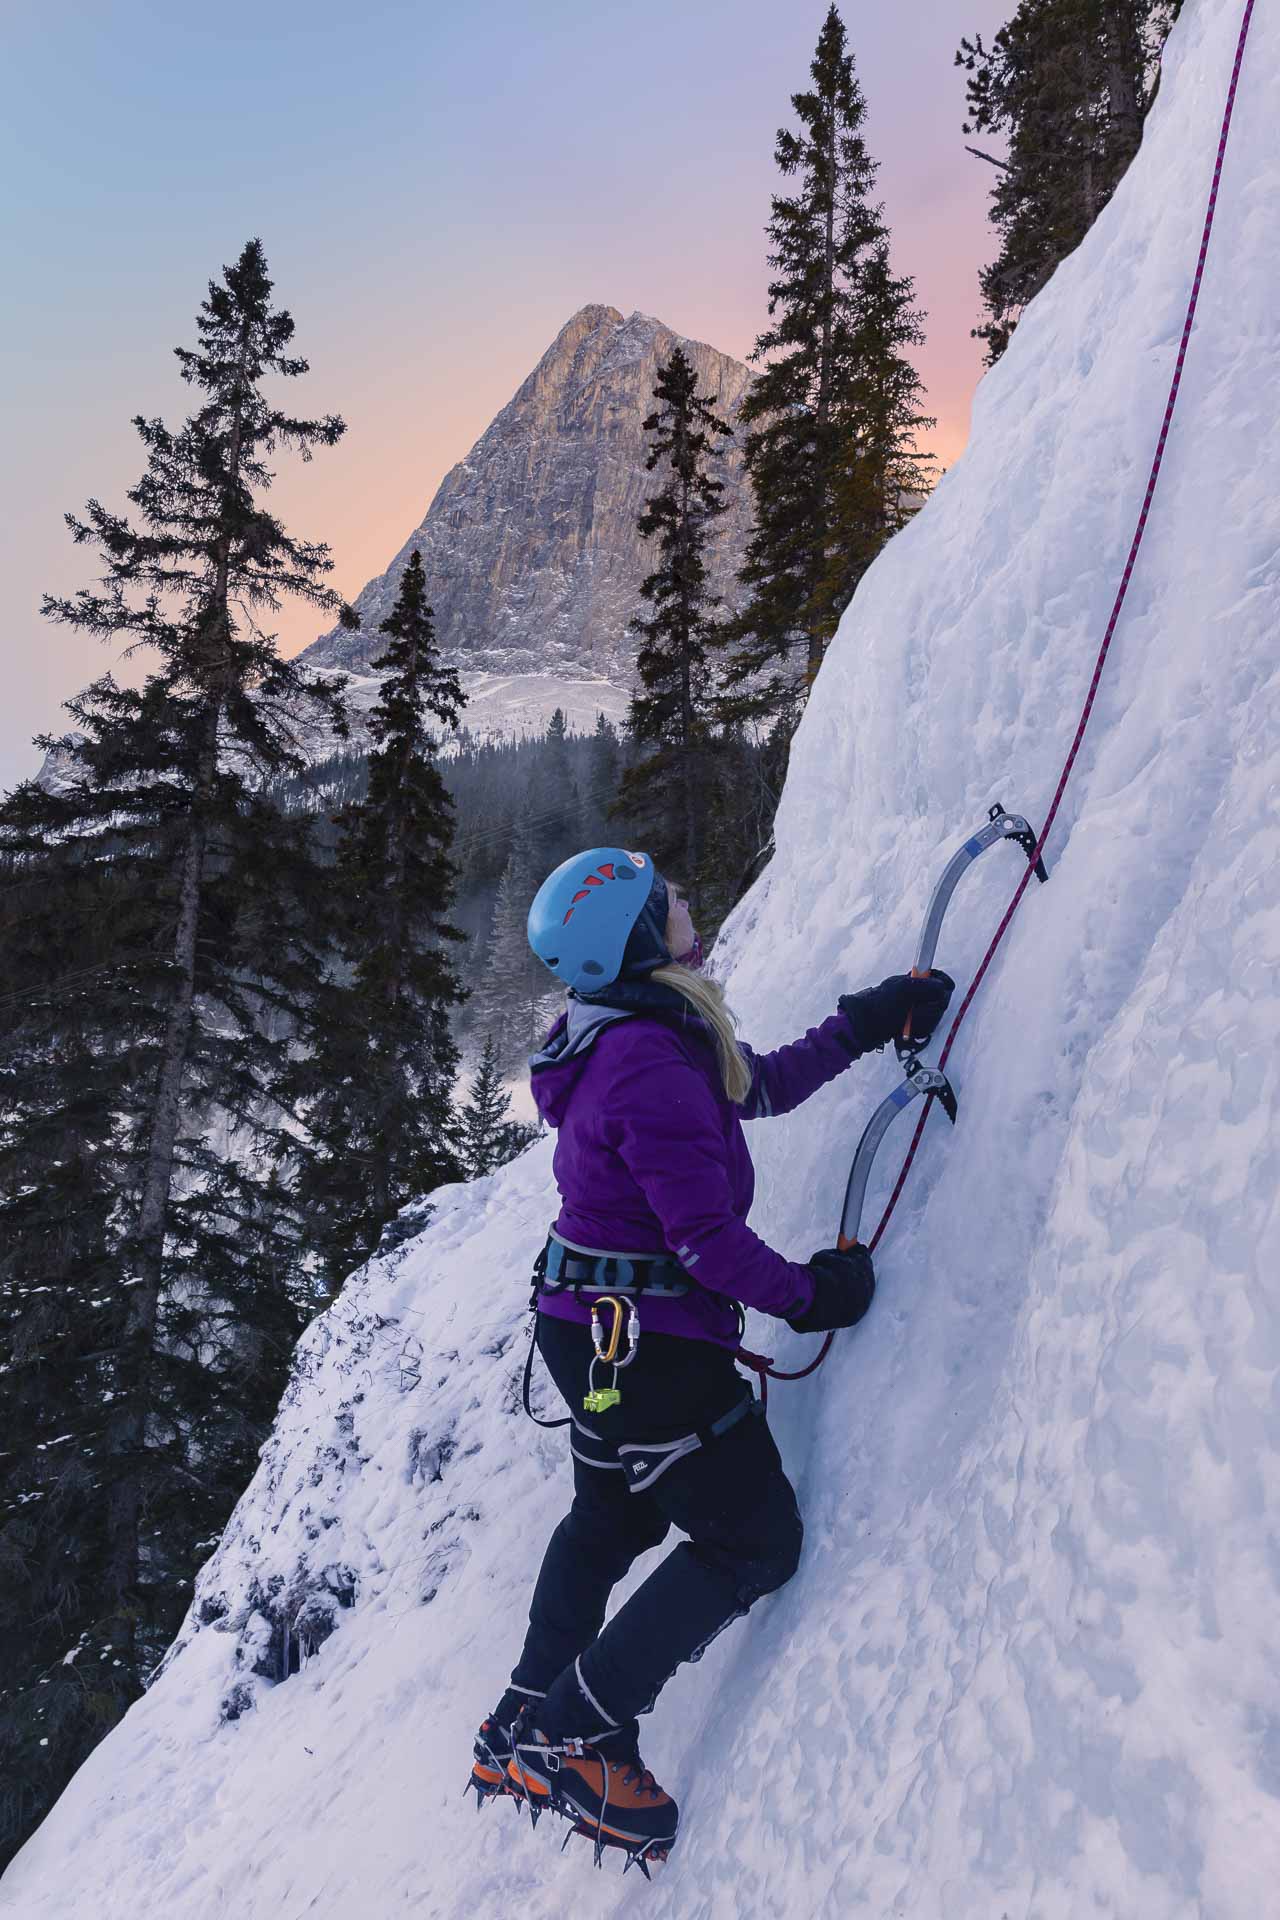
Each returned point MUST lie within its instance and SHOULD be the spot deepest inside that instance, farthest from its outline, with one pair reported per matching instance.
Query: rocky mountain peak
(530, 544)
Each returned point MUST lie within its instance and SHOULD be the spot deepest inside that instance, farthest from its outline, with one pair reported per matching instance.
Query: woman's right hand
(879, 1014)
(844, 1284)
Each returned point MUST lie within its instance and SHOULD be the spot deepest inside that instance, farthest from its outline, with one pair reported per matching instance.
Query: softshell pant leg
(730, 1496)
(738, 1508)
(604, 1531)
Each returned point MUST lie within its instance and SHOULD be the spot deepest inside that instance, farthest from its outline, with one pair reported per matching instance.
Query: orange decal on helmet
(609, 870)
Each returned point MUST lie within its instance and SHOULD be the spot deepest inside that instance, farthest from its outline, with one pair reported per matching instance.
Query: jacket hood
(554, 1071)
(556, 1068)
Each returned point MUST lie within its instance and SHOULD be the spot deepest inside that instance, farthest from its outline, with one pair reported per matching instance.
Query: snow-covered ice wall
(1028, 1666)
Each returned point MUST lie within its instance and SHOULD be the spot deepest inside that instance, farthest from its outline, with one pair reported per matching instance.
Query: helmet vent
(592, 966)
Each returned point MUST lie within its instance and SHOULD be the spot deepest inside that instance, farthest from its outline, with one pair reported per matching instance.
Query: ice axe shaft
(917, 973)
(1000, 825)
(924, 1081)
(920, 1081)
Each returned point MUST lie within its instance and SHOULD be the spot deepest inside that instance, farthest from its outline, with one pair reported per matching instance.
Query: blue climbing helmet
(584, 913)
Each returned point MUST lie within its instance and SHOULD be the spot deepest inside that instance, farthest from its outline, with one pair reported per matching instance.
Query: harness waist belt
(562, 1267)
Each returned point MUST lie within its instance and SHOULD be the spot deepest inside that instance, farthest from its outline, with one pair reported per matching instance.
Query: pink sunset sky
(436, 195)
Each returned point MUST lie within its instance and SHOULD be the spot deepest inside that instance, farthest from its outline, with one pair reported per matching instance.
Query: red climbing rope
(756, 1361)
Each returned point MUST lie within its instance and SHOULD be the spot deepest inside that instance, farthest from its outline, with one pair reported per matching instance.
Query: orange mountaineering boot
(493, 1749)
(610, 1797)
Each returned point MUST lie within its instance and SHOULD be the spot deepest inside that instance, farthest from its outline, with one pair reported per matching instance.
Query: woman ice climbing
(647, 1085)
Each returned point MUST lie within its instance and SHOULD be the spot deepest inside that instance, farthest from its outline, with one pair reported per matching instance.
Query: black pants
(728, 1493)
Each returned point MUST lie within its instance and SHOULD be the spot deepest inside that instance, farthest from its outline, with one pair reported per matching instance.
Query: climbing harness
(642, 1461)
(600, 1399)
(647, 1460)
(1016, 829)
(562, 1266)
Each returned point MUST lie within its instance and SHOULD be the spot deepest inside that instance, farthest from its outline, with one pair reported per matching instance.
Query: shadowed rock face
(530, 544)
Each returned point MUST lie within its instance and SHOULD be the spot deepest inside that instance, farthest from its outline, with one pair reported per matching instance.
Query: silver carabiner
(600, 1399)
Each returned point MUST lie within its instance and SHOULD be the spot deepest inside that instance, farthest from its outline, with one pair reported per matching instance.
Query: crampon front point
(646, 1856)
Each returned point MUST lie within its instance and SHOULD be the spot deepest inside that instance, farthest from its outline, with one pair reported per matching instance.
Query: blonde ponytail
(706, 997)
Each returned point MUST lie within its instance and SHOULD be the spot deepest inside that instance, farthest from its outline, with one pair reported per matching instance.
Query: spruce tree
(603, 761)
(378, 1082)
(514, 1000)
(168, 921)
(835, 410)
(741, 800)
(879, 476)
(553, 798)
(1070, 83)
(602, 777)
(489, 1137)
(671, 714)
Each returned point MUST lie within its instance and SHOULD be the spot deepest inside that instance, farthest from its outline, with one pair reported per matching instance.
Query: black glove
(878, 1014)
(844, 1283)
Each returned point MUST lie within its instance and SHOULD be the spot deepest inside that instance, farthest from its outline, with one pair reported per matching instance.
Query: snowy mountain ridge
(499, 706)
(1026, 1670)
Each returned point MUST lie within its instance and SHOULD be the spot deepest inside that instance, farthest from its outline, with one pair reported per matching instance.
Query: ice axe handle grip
(845, 1241)
(917, 973)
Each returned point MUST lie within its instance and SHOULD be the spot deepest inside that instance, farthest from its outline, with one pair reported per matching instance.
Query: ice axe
(922, 1081)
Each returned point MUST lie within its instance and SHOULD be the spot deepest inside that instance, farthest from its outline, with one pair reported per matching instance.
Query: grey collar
(582, 1026)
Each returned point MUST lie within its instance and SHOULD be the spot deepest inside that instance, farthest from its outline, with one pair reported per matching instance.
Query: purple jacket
(651, 1157)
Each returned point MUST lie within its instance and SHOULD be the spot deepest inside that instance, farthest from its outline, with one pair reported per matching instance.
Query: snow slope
(1027, 1668)
(499, 706)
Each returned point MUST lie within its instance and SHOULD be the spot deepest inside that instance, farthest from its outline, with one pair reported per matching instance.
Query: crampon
(646, 1856)
(489, 1778)
(609, 1801)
